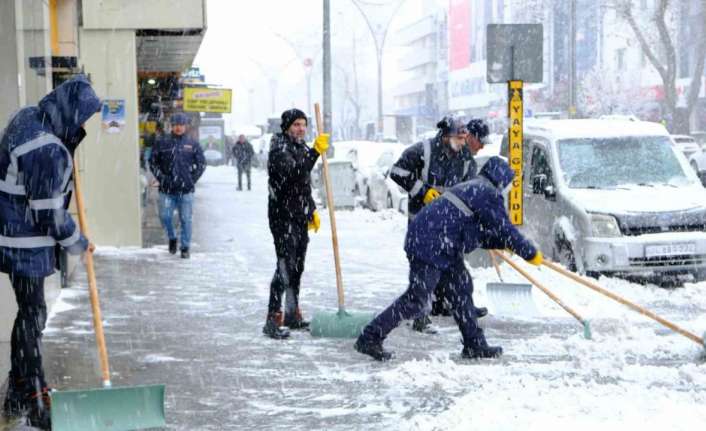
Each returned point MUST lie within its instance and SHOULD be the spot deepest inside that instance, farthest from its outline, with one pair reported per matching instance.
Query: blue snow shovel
(108, 408)
(342, 324)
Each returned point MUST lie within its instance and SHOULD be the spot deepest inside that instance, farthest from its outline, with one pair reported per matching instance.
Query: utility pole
(379, 33)
(572, 59)
(327, 66)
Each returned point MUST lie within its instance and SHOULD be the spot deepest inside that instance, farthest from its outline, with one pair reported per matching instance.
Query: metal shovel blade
(512, 299)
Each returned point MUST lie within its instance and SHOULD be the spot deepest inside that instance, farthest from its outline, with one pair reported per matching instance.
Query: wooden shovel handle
(92, 288)
(539, 285)
(495, 264)
(633, 306)
(332, 213)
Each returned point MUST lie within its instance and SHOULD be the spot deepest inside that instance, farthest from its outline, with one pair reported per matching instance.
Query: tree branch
(625, 10)
(695, 87)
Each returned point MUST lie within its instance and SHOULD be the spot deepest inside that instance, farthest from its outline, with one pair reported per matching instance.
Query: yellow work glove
(430, 195)
(537, 259)
(321, 143)
(315, 222)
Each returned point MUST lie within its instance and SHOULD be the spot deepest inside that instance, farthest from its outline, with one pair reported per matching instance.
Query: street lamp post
(307, 62)
(379, 33)
(271, 79)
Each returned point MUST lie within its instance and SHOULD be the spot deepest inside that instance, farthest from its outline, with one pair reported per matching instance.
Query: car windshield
(615, 162)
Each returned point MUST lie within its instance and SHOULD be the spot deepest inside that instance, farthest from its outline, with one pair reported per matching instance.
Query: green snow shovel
(341, 324)
(106, 409)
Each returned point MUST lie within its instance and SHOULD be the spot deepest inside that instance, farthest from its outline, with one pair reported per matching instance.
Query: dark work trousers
(416, 302)
(26, 341)
(291, 241)
(245, 169)
(439, 303)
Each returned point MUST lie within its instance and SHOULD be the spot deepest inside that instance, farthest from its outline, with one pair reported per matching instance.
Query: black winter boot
(15, 403)
(172, 246)
(424, 325)
(295, 321)
(185, 253)
(481, 350)
(39, 413)
(481, 312)
(372, 349)
(274, 326)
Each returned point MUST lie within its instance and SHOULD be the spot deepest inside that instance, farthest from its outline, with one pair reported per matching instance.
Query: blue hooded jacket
(36, 162)
(467, 216)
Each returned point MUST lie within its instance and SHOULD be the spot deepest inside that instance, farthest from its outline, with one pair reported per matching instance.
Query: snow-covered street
(195, 325)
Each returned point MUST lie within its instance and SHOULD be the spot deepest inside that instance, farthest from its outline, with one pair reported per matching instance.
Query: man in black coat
(177, 162)
(243, 154)
(291, 213)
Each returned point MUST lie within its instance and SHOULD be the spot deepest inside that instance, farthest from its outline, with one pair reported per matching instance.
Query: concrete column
(110, 162)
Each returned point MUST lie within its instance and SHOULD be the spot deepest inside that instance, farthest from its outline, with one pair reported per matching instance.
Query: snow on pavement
(195, 325)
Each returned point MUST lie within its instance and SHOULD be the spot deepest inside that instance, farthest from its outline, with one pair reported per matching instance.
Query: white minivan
(613, 197)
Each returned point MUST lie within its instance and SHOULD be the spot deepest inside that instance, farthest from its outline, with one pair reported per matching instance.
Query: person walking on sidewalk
(36, 179)
(467, 216)
(177, 162)
(243, 154)
(292, 213)
(426, 170)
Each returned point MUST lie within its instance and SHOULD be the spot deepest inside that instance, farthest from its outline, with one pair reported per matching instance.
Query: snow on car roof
(569, 129)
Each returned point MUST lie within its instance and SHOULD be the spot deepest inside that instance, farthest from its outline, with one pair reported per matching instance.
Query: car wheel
(389, 204)
(565, 255)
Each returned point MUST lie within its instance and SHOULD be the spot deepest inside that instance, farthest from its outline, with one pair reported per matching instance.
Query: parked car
(686, 144)
(363, 156)
(382, 191)
(213, 157)
(698, 163)
(613, 198)
(700, 137)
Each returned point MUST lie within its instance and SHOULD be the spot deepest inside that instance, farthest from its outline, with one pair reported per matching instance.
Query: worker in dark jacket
(36, 162)
(243, 154)
(426, 170)
(291, 213)
(177, 162)
(467, 216)
(477, 137)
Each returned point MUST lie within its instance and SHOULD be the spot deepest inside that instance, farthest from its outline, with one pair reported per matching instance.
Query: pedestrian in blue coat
(467, 216)
(36, 179)
(177, 162)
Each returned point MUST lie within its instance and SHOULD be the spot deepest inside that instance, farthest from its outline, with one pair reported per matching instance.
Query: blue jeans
(182, 204)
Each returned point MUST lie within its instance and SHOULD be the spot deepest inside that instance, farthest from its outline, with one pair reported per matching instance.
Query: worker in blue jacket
(426, 170)
(36, 162)
(177, 162)
(467, 216)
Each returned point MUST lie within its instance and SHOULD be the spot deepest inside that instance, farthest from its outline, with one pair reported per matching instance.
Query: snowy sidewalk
(196, 326)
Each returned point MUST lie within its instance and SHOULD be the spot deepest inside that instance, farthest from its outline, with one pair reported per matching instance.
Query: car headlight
(604, 226)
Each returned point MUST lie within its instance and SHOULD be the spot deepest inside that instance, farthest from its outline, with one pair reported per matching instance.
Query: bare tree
(666, 64)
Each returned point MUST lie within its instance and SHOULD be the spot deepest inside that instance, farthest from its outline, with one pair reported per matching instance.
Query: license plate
(670, 249)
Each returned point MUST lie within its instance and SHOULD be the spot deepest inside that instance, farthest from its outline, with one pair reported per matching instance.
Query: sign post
(515, 56)
(515, 137)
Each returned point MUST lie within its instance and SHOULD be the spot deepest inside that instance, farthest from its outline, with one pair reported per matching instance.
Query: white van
(613, 197)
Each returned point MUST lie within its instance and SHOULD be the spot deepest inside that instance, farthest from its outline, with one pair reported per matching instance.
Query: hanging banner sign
(204, 99)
